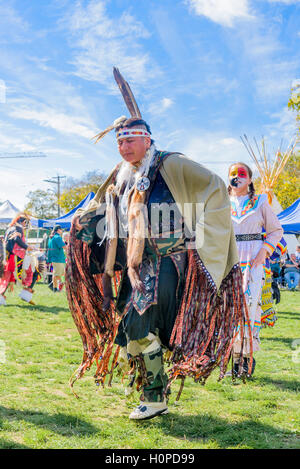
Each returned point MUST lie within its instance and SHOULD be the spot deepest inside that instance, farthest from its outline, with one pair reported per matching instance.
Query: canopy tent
(65, 220)
(290, 218)
(7, 212)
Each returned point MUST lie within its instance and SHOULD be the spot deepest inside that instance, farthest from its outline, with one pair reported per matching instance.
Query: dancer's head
(240, 180)
(134, 139)
(21, 219)
(57, 229)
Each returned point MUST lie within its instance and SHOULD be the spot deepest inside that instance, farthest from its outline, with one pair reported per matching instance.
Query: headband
(130, 133)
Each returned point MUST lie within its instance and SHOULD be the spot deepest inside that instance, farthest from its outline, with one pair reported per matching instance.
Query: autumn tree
(75, 190)
(287, 188)
(294, 104)
(42, 204)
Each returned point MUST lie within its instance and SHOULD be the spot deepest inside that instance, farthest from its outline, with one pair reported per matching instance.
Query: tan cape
(212, 306)
(190, 182)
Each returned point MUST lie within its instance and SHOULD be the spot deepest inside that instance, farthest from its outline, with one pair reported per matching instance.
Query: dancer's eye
(242, 173)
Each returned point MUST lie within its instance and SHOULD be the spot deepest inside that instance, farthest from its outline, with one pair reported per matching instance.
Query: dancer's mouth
(234, 182)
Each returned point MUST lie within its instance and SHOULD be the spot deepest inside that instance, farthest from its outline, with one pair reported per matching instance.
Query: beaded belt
(249, 237)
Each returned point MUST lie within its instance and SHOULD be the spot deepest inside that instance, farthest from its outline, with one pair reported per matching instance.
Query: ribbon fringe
(204, 330)
(207, 322)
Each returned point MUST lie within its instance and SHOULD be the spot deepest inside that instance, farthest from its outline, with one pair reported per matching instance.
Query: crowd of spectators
(287, 273)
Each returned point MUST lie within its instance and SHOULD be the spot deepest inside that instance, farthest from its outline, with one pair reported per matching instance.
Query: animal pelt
(137, 226)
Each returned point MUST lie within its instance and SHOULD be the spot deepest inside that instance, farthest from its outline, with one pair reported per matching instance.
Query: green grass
(38, 410)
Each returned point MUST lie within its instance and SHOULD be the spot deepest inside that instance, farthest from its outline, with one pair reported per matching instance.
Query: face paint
(238, 176)
(242, 173)
(238, 171)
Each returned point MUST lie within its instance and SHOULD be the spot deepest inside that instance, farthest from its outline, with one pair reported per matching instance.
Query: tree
(42, 204)
(294, 103)
(287, 187)
(76, 189)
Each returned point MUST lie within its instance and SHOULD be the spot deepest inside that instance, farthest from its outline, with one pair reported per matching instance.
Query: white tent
(7, 213)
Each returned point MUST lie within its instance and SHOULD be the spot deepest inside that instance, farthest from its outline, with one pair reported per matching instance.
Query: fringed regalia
(192, 294)
(270, 287)
(15, 251)
(250, 219)
(2, 257)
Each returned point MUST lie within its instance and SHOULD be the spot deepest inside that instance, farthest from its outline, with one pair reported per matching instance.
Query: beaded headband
(130, 133)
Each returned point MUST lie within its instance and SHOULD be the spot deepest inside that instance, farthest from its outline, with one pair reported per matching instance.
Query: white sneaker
(148, 410)
(2, 301)
(26, 295)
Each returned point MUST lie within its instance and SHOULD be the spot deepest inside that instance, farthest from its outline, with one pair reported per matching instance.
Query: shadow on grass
(6, 444)
(205, 428)
(62, 424)
(284, 340)
(42, 308)
(284, 385)
(288, 315)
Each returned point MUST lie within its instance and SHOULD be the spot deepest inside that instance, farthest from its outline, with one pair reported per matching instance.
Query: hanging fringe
(205, 328)
(206, 324)
(96, 326)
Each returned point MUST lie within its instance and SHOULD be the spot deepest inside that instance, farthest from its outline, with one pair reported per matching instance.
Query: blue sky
(204, 72)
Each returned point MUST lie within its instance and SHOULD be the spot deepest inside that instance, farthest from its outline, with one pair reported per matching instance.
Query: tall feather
(127, 94)
(103, 133)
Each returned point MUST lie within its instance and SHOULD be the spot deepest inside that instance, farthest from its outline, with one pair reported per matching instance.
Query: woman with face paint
(16, 249)
(251, 213)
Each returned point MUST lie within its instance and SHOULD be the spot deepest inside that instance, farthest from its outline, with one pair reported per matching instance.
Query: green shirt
(57, 253)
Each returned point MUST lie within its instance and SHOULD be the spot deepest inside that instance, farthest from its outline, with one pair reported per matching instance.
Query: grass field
(41, 348)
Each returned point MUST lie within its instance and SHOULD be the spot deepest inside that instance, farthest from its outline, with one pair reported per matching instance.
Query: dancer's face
(133, 149)
(239, 177)
(25, 223)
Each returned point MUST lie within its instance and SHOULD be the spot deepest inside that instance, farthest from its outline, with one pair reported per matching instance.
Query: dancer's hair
(20, 218)
(251, 188)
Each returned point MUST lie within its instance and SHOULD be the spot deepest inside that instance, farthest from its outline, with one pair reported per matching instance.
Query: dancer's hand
(15, 235)
(260, 257)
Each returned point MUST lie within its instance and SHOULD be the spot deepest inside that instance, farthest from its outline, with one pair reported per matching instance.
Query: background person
(251, 213)
(298, 253)
(49, 262)
(57, 257)
(292, 272)
(16, 248)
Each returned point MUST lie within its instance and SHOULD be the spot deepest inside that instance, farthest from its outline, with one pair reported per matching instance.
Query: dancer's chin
(237, 184)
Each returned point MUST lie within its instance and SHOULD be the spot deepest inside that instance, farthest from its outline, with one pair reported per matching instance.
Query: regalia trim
(247, 209)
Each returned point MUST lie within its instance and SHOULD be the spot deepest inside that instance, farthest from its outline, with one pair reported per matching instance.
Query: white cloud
(13, 29)
(287, 2)
(273, 78)
(161, 107)
(283, 125)
(58, 121)
(216, 151)
(224, 12)
(100, 42)
(22, 179)
(269, 65)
